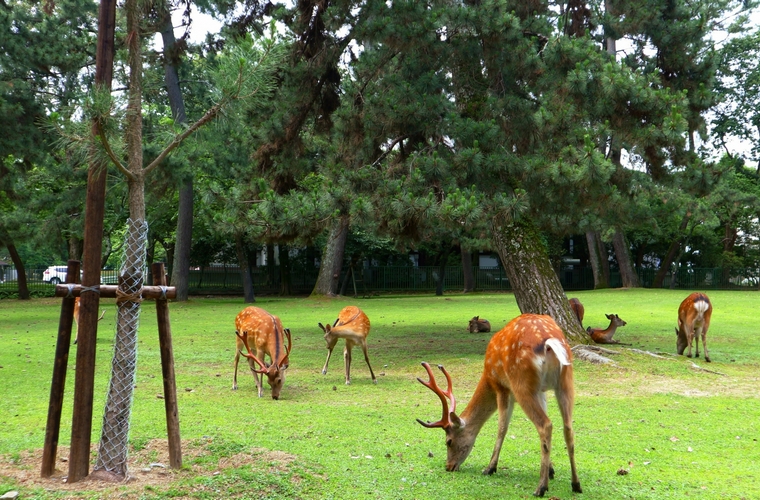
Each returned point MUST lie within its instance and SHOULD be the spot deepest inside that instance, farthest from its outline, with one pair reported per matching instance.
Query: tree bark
(245, 270)
(623, 253)
(469, 277)
(285, 288)
(673, 250)
(23, 286)
(332, 259)
(598, 258)
(180, 278)
(535, 284)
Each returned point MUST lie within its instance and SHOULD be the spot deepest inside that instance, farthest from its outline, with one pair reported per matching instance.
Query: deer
(478, 325)
(353, 326)
(523, 360)
(76, 318)
(256, 326)
(578, 309)
(693, 320)
(604, 336)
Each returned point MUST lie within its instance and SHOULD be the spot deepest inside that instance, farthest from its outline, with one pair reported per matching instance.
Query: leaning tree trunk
(597, 256)
(469, 277)
(285, 288)
(181, 264)
(675, 247)
(623, 253)
(23, 287)
(535, 284)
(332, 259)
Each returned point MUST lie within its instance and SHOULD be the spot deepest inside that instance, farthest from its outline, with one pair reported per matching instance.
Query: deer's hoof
(348, 382)
(707, 360)
(540, 491)
(489, 471)
(551, 472)
(577, 487)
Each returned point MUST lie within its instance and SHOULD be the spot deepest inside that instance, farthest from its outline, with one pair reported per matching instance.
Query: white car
(54, 274)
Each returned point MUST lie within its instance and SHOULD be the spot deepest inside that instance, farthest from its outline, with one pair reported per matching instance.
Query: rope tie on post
(128, 297)
(163, 293)
(70, 295)
(95, 289)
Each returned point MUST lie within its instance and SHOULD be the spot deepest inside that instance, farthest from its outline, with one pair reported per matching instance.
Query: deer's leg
(565, 398)
(689, 339)
(252, 366)
(234, 375)
(704, 343)
(347, 360)
(534, 406)
(506, 403)
(330, 346)
(366, 358)
(697, 332)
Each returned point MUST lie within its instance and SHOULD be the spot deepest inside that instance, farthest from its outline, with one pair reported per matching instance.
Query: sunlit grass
(645, 427)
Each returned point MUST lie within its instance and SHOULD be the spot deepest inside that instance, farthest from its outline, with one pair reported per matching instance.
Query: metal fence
(227, 279)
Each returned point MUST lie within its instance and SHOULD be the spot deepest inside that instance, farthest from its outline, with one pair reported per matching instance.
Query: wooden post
(58, 384)
(167, 369)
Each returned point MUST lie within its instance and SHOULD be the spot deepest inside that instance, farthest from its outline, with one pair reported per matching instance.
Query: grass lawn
(645, 427)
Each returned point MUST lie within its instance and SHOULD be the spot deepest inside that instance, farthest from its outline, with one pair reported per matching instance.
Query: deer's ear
(610, 316)
(456, 422)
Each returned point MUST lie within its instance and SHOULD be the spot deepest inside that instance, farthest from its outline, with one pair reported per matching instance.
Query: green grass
(677, 431)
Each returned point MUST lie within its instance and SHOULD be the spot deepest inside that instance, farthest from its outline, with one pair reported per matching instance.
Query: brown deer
(353, 326)
(76, 318)
(693, 320)
(523, 360)
(264, 330)
(578, 309)
(478, 325)
(604, 336)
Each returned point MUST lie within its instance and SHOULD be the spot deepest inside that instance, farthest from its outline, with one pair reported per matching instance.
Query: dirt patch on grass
(148, 469)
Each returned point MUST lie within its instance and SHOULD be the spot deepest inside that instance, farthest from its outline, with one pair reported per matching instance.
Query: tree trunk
(469, 277)
(442, 259)
(181, 264)
(245, 270)
(271, 266)
(332, 259)
(75, 248)
(285, 288)
(23, 287)
(111, 463)
(536, 286)
(597, 256)
(623, 254)
(675, 247)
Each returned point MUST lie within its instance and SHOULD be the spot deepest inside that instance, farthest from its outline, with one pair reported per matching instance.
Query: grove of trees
(442, 126)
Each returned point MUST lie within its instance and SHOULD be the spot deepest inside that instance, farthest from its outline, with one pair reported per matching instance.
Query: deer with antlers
(604, 336)
(523, 360)
(256, 326)
(353, 326)
(693, 320)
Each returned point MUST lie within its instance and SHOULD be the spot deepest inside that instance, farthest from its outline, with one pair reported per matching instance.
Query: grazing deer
(353, 325)
(523, 360)
(601, 336)
(478, 325)
(76, 318)
(265, 331)
(578, 309)
(693, 321)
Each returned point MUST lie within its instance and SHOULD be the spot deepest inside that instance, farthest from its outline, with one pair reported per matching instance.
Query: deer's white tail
(559, 351)
(701, 306)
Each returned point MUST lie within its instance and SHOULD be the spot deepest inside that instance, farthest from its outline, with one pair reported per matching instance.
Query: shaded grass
(677, 432)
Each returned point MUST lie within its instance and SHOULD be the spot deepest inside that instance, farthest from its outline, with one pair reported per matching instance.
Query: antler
(433, 386)
(285, 360)
(250, 354)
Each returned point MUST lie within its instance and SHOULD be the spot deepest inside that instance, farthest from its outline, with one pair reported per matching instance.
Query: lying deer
(578, 309)
(353, 326)
(605, 336)
(76, 318)
(478, 325)
(523, 360)
(693, 320)
(264, 330)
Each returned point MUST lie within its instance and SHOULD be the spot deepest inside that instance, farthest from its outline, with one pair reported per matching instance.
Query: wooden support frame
(70, 291)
